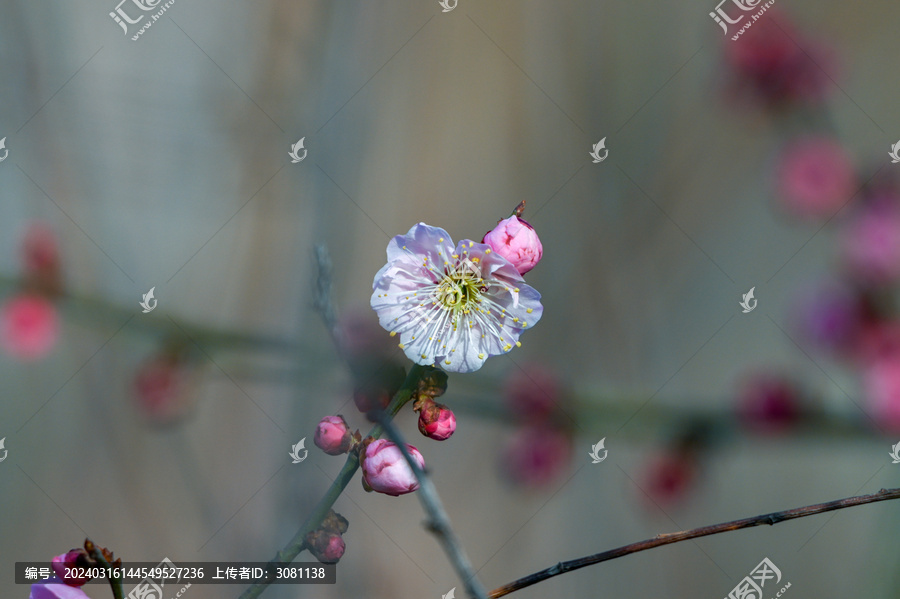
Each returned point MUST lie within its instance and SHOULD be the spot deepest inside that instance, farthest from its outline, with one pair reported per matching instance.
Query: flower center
(460, 288)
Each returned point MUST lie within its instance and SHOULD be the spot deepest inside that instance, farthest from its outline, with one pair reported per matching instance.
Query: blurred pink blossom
(54, 588)
(815, 177)
(830, 315)
(29, 326)
(517, 241)
(385, 469)
(768, 402)
(161, 387)
(532, 392)
(361, 338)
(333, 436)
(871, 244)
(373, 359)
(775, 62)
(668, 477)
(881, 384)
(536, 455)
(41, 262)
(879, 338)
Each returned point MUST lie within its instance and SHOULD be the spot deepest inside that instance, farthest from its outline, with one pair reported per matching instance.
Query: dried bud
(333, 435)
(517, 241)
(436, 421)
(327, 547)
(432, 384)
(334, 522)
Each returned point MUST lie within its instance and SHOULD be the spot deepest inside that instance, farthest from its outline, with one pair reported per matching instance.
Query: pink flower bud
(333, 435)
(385, 469)
(436, 421)
(517, 241)
(29, 327)
(70, 560)
(53, 588)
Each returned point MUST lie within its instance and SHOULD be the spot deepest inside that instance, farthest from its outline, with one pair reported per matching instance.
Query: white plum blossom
(452, 307)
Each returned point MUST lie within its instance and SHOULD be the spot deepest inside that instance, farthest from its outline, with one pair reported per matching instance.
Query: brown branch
(674, 537)
(439, 522)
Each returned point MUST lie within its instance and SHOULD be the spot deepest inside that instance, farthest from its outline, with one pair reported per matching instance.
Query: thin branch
(312, 522)
(323, 301)
(703, 531)
(439, 522)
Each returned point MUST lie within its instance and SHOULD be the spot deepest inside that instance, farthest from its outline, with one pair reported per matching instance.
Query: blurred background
(162, 162)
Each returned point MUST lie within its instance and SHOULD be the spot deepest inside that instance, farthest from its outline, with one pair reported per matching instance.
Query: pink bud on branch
(436, 421)
(517, 241)
(333, 436)
(385, 469)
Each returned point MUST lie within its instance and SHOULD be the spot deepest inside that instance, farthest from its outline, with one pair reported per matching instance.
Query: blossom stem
(115, 583)
(439, 522)
(518, 211)
(298, 543)
(703, 531)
